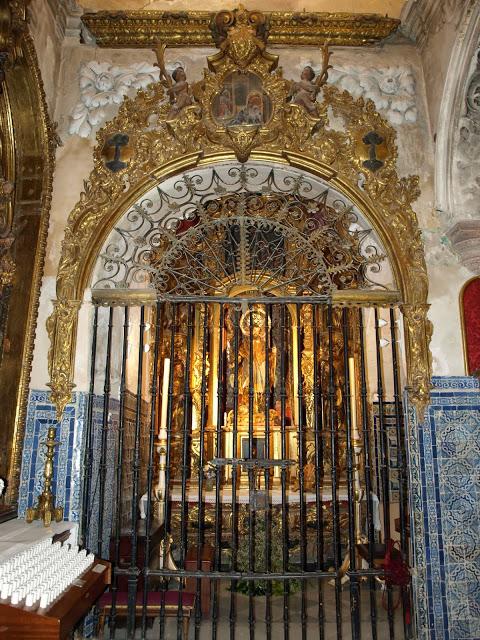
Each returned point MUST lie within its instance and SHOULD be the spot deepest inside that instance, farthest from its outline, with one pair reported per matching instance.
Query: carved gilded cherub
(176, 84)
(304, 92)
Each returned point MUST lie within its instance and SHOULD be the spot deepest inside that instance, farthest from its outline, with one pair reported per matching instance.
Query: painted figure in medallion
(241, 101)
(225, 107)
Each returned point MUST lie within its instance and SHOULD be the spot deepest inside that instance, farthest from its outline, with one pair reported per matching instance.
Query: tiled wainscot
(445, 472)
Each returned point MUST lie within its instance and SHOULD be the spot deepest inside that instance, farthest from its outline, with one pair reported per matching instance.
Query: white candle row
(36, 577)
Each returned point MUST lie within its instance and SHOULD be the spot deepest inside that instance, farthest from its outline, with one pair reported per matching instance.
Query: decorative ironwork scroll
(273, 230)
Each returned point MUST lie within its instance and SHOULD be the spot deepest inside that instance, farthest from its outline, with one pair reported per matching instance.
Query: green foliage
(260, 560)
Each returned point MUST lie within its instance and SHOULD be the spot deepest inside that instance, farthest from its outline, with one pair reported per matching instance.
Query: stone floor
(295, 629)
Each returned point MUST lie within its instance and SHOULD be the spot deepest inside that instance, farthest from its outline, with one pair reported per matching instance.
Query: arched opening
(245, 450)
(245, 356)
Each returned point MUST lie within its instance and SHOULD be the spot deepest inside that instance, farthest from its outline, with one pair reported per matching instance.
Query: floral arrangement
(260, 563)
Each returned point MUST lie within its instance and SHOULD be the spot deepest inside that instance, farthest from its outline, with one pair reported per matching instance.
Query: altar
(239, 385)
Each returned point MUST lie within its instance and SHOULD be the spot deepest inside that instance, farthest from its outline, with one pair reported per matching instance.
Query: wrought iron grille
(238, 469)
(207, 233)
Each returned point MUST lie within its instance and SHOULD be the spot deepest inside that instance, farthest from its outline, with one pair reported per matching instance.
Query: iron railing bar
(352, 497)
(168, 426)
(367, 451)
(301, 476)
(234, 519)
(87, 505)
(241, 301)
(186, 431)
(218, 505)
(88, 457)
(268, 507)
(201, 504)
(249, 575)
(351, 297)
(318, 435)
(251, 478)
(334, 478)
(133, 578)
(151, 443)
(283, 398)
(401, 456)
(119, 469)
(103, 448)
(384, 453)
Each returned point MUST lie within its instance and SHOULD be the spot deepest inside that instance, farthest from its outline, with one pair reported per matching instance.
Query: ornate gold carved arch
(157, 142)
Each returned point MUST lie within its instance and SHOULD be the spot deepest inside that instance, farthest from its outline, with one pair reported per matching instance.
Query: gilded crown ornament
(241, 34)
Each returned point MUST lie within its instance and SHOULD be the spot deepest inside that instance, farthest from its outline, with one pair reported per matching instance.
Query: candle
(215, 402)
(353, 399)
(163, 415)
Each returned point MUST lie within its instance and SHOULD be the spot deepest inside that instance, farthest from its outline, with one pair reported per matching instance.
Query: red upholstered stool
(155, 600)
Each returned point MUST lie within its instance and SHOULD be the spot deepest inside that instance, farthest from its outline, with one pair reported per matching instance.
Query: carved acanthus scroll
(418, 333)
(61, 328)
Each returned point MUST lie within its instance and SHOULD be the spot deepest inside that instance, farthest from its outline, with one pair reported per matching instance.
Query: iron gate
(244, 468)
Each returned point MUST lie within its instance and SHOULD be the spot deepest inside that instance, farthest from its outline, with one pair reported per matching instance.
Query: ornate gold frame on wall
(291, 137)
(27, 162)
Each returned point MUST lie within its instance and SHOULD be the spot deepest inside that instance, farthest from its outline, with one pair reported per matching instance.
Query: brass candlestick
(45, 509)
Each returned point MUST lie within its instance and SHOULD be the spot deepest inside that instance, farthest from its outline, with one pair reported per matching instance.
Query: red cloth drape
(471, 319)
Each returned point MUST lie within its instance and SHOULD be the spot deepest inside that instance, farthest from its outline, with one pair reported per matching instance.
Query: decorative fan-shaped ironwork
(260, 242)
(283, 238)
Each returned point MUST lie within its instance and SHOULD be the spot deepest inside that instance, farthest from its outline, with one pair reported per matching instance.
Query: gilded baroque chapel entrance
(249, 259)
(250, 407)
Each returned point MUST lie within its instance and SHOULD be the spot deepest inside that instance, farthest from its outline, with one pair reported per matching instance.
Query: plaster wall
(435, 59)
(48, 46)
(415, 155)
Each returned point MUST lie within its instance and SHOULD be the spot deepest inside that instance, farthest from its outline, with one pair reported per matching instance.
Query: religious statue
(304, 92)
(253, 323)
(177, 86)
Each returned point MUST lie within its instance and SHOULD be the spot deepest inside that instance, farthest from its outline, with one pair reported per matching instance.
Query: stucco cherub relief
(103, 84)
(467, 148)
